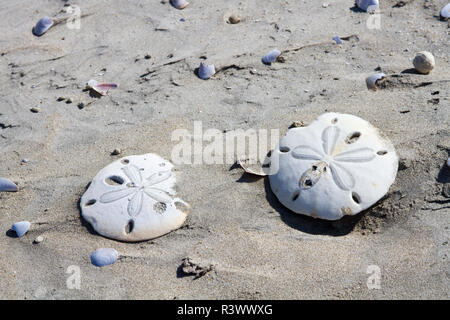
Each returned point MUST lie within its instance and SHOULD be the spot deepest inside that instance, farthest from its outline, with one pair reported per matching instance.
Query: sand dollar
(338, 165)
(133, 199)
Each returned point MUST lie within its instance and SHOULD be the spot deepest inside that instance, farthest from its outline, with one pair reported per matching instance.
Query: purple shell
(7, 185)
(445, 12)
(42, 26)
(205, 72)
(368, 5)
(21, 228)
(271, 56)
(179, 4)
(104, 256)
(337, 39)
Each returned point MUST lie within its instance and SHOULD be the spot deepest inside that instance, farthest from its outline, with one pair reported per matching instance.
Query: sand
(248, 245)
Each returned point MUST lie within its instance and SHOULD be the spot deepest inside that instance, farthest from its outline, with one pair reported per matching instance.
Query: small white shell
(271, 56)
(179, 4)
(42, 26)
(371, 81)
(368, 5)
(424, 62)
(7, 185)
(104, 256)
(205, 72)
(445, 12)
(21, 228)
(338, 165)
(132, 199)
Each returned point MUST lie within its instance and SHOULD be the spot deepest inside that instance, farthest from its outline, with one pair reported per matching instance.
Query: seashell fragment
(21, 228)
(104, 256)
(338, 165)
(179, 4)
(250, 168)
(368, 5)
(445, 12)
(42, 26)
(424, 62)
(132, 199)
(271, 56)
(372, 81)
(7, 185)
(100, 88)
(205, 72)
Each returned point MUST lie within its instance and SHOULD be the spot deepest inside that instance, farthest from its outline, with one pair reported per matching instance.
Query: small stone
(24, 160)
(69, 100)
(234, 19)
(80, 105)
(424, 62)
(60, 99)
(116, 152)
(39, 239)
(147, 57)
(35, 109)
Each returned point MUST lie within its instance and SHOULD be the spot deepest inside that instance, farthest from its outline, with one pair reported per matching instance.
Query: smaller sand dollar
(338, 165)
(132, 199)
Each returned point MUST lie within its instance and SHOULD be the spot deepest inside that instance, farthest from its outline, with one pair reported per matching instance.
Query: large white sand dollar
(338, 165)
(132, 199)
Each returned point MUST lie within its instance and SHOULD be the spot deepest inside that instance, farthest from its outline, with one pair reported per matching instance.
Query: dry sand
(258, 248)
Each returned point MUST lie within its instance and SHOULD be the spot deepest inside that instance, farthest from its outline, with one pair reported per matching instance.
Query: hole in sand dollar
(295, 196)
(356, 198)
(381, 152)
(334, 121)
(266, 165)
(90, 203)
(125, 161)
(160, 207)
(353, 137)
(284, 149)
(129, 227)
(115, 181)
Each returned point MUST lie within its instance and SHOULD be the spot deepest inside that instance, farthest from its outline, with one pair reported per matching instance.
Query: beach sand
(258, 249)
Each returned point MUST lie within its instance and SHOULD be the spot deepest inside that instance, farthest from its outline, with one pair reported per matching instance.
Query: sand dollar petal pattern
(338, 165)
(124, 199)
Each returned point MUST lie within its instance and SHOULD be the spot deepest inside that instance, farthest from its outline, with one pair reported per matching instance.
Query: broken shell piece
(42, 26)
(100, 88)
(424, 62)
(104, 256)
(337, 39)
(368, 5)
(445, 12)
(205, 72)
(252, 168)
(372, 81)
(179, 4)
(132, 199)
(338, 165)
(21, 228)
(271, 56)
(7, 185)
